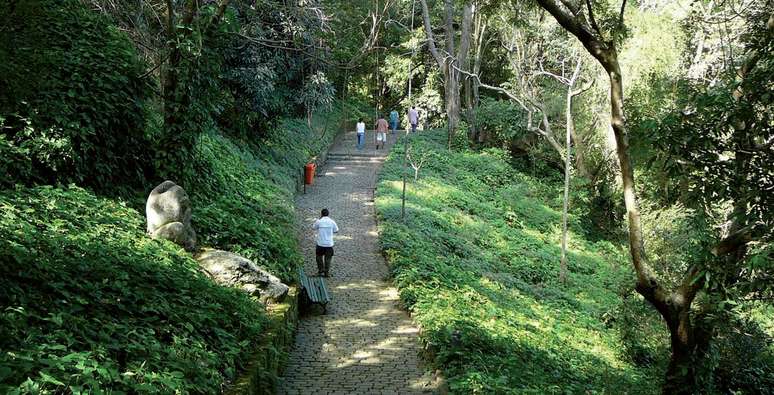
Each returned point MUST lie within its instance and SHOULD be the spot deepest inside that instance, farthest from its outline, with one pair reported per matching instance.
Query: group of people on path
(325, 226)
(381, 126)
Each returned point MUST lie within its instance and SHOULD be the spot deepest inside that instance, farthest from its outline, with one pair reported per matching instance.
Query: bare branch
(592, 19)
(621, 15)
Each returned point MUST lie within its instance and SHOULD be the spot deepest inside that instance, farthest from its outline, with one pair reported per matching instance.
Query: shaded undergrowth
(90, 304)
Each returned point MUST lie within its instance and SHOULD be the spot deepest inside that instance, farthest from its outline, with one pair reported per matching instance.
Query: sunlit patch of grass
(476, 260)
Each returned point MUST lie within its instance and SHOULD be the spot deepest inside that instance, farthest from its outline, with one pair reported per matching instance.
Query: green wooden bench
(315, 290)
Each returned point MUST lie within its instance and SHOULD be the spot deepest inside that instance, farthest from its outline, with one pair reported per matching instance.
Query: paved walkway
(365, 344)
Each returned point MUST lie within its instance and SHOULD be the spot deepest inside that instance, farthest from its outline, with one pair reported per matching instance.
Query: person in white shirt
(325, 228)
(360, 133)
(413, 116)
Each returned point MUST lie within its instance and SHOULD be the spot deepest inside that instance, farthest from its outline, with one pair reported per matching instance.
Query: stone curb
(262, 372)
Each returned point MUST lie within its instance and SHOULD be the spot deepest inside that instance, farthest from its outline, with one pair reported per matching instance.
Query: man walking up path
(325, 228)
(381, 132)
(360, 133)
(365, 344)
(393, 121)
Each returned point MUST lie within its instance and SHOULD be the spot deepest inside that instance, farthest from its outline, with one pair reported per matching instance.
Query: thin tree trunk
(403, 193)
(570, 130)
(446, 62)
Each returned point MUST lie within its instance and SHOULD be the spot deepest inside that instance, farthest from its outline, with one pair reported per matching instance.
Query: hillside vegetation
(477, 263)
(91, 303)
(88, 302)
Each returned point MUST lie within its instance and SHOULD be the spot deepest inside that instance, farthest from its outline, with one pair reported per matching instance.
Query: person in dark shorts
(325, 227)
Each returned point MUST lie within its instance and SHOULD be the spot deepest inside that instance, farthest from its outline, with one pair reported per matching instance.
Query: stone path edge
(262, 372)
(265, 366)
(428, 351)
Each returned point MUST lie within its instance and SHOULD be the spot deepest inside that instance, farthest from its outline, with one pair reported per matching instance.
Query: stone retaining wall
(270, 356)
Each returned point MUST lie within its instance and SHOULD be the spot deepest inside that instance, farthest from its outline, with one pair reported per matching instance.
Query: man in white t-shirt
(413, 116)
(360, 127)
(325, 228)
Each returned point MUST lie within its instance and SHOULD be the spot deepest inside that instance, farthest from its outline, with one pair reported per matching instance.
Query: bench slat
(315, 288)
(314, 295)
(324, 292)
(320, 292)
(305, 284)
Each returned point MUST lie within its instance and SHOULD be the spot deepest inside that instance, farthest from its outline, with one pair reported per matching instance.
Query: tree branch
(621, 15)
(593, 20)
(583, 88)
(733, 241)
(429, 32)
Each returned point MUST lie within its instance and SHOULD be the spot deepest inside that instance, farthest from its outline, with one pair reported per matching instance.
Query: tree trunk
(580, 158)
(563, 262)
(447, 62)
(675, 308)
(452, 98)
(680, 372)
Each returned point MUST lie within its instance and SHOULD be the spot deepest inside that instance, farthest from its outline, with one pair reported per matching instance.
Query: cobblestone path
(365, 344)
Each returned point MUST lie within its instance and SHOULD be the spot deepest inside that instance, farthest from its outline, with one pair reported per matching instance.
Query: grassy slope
(89, 302)
(477, 264)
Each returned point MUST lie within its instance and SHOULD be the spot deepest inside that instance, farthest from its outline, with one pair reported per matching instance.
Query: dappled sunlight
(480, 266)
(365, 340)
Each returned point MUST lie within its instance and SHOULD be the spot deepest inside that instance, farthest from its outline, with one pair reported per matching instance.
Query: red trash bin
(309, 173)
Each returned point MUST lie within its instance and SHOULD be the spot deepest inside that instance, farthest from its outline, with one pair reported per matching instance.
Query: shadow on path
(365, 344)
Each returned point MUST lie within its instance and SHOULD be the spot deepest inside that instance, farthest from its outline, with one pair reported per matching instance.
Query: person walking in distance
(325, 228)
(393, 122)
(381, 132)
(413, 116)
(360, 127)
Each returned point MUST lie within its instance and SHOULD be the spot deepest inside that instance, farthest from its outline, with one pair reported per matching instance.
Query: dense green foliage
(243, 196)
(73, 100)
(477, 263)
(91, 304)
(103, 297)
(116, 97)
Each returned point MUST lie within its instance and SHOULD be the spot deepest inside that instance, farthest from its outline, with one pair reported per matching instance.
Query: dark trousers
(324, 256)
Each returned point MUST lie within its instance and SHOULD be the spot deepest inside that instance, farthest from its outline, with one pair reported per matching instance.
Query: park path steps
(365, 344)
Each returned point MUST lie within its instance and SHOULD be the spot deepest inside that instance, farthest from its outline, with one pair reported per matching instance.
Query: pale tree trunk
(447, 61)
(480, 47)
(570, 128)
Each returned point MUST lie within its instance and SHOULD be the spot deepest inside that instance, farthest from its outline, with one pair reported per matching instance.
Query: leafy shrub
(501, 120)
(243, 193)
(72, 98)
(742, 358)
(238, 209)
(643, 338)
(89, 304)
(674, 236)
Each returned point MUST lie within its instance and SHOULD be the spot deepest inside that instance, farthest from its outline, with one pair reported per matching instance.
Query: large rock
(169, 215)
(233, 270)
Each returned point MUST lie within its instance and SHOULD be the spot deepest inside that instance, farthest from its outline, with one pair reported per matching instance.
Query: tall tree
(451, 58)
(689, 337)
